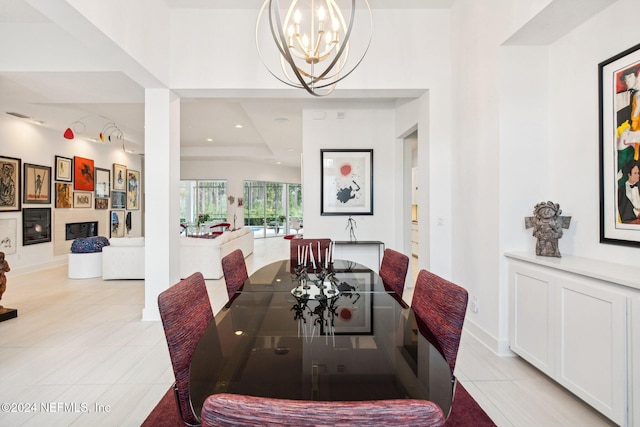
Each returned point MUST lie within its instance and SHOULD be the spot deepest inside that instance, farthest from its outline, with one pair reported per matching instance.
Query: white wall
(38, 145)
(363, 127)
(527, 131)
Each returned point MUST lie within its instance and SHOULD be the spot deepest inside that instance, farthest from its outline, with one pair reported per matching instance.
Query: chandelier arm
(343, 45)
(285, 52)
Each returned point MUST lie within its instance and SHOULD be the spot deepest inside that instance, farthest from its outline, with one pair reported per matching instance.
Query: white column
(162, 200)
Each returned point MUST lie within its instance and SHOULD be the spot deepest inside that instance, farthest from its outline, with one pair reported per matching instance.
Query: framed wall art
(102, 183)
(82, 199)
(119, 177)
(37, 184)
(619, 84)
(63, 195)
(10, 180)
(133, 190)
(36, 226)
(83, 171)
(117, 222)
(8, 236)
(346, 182)
(118, 199)
(64, 169)
(102, 203)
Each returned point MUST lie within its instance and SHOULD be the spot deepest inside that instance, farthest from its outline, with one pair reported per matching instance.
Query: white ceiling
(271, 128)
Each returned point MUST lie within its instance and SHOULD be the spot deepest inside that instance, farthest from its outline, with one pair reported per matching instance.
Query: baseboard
(499, 347)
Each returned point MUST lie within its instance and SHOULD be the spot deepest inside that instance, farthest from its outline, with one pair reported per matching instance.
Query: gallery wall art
(83, 174)
(37, 184)
(10, 179)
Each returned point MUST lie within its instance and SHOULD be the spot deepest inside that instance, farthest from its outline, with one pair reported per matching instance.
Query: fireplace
(75, 230)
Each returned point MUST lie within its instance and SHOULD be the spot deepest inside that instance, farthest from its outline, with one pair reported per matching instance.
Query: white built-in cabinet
(572, 318)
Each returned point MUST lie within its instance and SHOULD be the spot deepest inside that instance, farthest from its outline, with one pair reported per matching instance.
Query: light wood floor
(78, 355)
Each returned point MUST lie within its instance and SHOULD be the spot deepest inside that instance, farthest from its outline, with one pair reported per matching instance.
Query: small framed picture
(8, 236)
(10, 170)
(102, 203)
(133, 190)
(119, 177)
(118, 199)
(82, 199)
(102, 183)
(63, 195)
(64, 169)
(36, 226)
(37, 184)
(117, 226)
(83, 171)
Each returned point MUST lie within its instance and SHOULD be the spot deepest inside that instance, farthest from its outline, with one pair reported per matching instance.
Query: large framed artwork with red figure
(346, 182)
(619, 84)
(83, 174)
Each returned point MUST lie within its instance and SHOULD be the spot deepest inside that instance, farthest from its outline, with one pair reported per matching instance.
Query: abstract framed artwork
(82, 199)
(63, 195)
(118, 199)
(8, 235)
(102, 183)
(10, 179)
(37, 184)
(83, 171)
(119, 177)
(133, 190)
(346, 182)
(64, 169)
(619, 103)
(117, 224)
(36, 226)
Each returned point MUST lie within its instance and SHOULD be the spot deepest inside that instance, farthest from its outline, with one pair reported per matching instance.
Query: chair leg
(175, 394)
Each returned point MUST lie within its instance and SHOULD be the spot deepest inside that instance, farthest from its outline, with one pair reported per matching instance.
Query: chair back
(239, 410)
(313, 245)
(440, 308)
(185, 311)
(295, 224)
(393, 271)
(234, 270)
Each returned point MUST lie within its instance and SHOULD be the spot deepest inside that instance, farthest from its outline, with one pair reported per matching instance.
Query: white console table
(366, 252)
(578, 321)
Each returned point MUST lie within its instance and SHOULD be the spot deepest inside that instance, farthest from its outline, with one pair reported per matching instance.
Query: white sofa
(205, 255)
(123, 258)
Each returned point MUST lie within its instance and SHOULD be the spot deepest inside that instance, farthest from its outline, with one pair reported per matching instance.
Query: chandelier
(315, 41)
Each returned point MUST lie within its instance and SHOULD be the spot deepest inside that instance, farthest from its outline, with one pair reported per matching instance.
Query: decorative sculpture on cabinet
(547, 227)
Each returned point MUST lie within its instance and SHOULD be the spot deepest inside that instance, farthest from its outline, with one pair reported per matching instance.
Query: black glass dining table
(299, 336)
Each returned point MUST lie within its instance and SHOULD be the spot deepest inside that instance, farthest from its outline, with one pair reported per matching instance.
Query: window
(269, 207)
(203, 197)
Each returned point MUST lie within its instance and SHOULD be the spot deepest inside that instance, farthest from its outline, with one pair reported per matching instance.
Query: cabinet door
(532, 332)
(591, 345)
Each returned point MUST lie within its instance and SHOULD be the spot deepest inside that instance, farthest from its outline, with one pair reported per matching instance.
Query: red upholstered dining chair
(235, 274)
(440, 308)
(393, 272)
(239, 410)
(185, 311)
(295, 243)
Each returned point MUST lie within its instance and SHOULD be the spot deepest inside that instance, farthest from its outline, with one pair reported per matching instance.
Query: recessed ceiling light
(238, 126)
(209, 140)
(290, 149)
(281, 120)
(278, 163)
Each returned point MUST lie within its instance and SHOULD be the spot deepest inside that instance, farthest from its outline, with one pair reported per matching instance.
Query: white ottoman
(85, 266)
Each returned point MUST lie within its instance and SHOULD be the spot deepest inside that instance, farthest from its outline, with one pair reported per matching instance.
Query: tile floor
(78, 354)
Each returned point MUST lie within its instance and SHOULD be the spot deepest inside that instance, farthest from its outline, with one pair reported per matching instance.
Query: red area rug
(465, 412)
